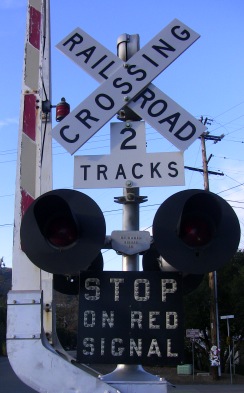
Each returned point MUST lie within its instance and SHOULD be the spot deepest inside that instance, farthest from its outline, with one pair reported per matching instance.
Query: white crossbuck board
(128, 84)
(129, 161)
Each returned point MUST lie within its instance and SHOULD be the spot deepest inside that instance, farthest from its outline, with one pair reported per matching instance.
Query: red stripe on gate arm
(26, 201)
(35, 27)
(29, 117)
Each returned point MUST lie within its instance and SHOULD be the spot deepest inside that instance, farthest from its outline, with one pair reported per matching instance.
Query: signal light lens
(62, 232)
(196, 231)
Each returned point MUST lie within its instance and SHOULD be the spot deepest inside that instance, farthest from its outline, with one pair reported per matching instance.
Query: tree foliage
(5, 286)
(230, 293)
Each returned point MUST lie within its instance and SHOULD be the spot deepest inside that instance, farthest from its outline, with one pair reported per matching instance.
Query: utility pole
(212, 276)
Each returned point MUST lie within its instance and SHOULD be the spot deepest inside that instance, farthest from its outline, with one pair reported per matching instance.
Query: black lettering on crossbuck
(128, 84)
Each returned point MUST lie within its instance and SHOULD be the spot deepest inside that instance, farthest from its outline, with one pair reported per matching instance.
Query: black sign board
(130, 318)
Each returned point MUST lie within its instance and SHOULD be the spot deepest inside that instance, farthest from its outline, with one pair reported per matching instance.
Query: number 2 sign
(129, 161)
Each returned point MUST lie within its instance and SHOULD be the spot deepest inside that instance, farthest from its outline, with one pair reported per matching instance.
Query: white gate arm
(35, 362)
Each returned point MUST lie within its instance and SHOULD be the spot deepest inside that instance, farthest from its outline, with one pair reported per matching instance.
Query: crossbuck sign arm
(121, 83)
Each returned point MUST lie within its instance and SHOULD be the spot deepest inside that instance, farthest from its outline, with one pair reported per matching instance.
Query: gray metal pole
(228, 333)
(131, 223)
(127, 46)
(131, 204)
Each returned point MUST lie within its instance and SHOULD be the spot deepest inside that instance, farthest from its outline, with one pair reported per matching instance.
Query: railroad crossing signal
(128, 83)
(63, 231)
(191, 231)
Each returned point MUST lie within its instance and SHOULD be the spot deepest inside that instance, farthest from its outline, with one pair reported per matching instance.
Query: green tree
(230, 284)
(5, 286)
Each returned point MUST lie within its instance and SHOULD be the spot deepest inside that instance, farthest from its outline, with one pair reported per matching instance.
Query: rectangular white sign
(149, 170)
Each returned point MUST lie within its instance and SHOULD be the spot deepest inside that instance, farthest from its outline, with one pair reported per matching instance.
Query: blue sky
(206, 80)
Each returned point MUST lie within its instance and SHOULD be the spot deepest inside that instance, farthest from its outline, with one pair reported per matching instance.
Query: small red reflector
(62, 110)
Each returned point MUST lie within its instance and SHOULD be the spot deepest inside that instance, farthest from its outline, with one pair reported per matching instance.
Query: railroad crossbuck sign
(129, 84)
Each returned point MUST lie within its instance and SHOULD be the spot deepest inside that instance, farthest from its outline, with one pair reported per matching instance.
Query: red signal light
(62, 232)
(196, 231)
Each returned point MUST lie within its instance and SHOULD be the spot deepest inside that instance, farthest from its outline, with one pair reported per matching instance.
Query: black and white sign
(130, 318)
(129, 162)
(192, 333)
(121, 84)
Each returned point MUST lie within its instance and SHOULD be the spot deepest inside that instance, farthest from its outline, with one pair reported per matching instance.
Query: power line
(231, 188)
(231, 140)
(228, 110)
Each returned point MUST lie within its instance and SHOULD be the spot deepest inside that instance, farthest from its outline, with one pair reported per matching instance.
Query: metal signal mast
(34, 164)
(31, 330)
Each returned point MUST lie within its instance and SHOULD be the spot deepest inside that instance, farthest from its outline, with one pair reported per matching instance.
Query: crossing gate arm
(32, 358)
